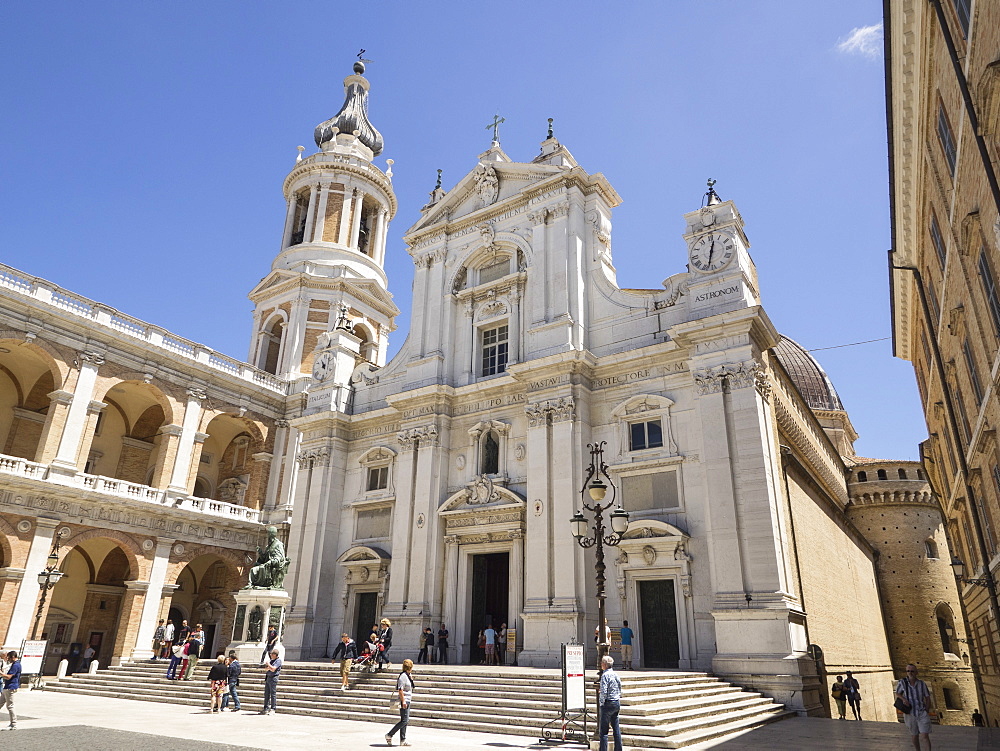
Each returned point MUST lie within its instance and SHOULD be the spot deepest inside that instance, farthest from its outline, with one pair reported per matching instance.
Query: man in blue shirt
(11, 683)
(271, 683)
(626, 635)
(610, 700)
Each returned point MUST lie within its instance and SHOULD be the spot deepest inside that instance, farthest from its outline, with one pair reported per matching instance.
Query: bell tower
(328, 274)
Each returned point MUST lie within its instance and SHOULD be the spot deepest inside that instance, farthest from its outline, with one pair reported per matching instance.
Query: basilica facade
(438, 486)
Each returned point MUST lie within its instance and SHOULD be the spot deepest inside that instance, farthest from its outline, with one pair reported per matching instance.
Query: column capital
(197, 394)
(94, 358)
(60, 397)
(137, 586)
(96, 406)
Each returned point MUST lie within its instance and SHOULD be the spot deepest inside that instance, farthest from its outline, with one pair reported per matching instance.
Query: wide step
(659, 709)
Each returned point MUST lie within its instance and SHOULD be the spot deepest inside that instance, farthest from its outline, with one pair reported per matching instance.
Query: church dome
(353, 116)
(807, 375)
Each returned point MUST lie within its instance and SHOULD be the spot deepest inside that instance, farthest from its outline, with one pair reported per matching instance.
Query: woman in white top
(404, 687)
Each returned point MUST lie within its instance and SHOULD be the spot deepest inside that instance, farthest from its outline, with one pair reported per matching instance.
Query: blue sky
(144, 145)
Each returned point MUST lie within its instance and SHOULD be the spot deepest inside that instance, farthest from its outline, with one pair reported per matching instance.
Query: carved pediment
(481, 492)
(360, 554)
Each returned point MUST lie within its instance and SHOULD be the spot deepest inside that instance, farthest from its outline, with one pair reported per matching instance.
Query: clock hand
(711, 251)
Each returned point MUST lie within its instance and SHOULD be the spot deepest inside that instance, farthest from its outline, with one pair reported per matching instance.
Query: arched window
(882, 475)
(862, 477)
(270, 346)
(202, 489)
(902, 474)
(930, 548)
(369, 349)
(952, 696)
(946, 627)
(920, 474)
(491, 453)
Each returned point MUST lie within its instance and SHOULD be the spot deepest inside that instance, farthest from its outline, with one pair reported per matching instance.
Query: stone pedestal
(250, 630)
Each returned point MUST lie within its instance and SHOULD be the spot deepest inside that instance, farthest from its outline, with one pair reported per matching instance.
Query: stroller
(366, 661)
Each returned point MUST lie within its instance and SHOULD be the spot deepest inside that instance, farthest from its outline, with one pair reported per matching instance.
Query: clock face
(712, 252)
(323, 366)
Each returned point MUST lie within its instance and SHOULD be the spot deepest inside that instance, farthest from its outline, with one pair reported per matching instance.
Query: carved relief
(554, 410)
(314, 457)
(739, 375)
(674, 288)
(649, 555)
(487, 184)
(426, 435)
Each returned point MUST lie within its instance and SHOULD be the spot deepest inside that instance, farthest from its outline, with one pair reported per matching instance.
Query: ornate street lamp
(596, 490)
(958, 566)
(47, 579)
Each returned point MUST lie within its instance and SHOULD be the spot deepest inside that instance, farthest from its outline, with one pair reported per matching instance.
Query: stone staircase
(659, 709)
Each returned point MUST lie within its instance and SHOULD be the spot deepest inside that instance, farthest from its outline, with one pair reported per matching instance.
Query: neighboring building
(943, 76)
(439, 486)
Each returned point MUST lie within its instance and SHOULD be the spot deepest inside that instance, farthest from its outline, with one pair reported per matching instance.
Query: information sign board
(574, 689)
(32, 655)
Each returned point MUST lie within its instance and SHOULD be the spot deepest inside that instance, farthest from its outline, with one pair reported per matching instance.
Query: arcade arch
(205, 591)
(27, 378)
(127, 434)
(226, 469)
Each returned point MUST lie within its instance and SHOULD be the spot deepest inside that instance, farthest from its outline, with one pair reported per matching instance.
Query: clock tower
(722, 276)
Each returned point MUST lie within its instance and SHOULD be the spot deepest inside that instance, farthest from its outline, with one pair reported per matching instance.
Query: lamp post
(47, 579)
(595, 489)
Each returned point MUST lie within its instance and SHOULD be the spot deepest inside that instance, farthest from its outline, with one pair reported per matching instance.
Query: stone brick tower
(332, 252)
(893, 506)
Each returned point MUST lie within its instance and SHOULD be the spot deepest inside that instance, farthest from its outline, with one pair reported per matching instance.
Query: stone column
(260, 473)
(310, 214)
(359, 197)
(55, 421)
(197, 447)
(286, 235)
(167, 441)
(450, 616)
(22, 617)
(565, 495)
(94, 410)
(317, 235)
(185, 446)
(538, 549)
(11, 579)
(378, 239)
(67, 458)
(514, 327)
(345, 213)
(541, 308)
(273, 477)
(151, 606)
(129, 616)
(401, 521)
(516, 603)
(474, 352)
(294, 339)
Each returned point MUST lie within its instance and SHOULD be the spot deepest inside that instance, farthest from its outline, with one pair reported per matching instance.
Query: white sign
(574, 690)
(32, 654)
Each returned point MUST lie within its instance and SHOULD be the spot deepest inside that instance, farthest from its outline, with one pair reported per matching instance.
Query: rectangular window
(935, 307)
(947, 138)
(645, 435)
(963, 9)
(657, 490)
(990, 290)
(494, 271)
(970, 548)
(963, 416)
(378, 478)
(970, 364)
(373, 523)
(939, 246)
(494, 350)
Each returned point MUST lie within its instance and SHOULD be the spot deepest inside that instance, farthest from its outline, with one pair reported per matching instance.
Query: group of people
(184, 649)
(494, 644)
(913, 698)
(626, 635)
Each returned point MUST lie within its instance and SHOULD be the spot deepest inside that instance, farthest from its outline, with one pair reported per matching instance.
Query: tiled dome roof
(807, 375)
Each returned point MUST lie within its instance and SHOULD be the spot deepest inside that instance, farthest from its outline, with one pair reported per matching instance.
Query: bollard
(94, 664)
(63, 667)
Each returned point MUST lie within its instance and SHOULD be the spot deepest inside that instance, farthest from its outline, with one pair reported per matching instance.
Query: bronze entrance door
(658, 623)
(490, 588)
(367, 605)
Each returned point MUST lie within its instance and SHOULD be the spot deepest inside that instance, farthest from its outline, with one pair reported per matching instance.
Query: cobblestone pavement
(66, 721)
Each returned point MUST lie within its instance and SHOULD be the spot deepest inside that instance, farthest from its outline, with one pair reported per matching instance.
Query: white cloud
(865, 41)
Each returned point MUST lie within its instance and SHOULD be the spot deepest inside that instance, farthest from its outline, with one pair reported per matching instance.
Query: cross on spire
(496, 127)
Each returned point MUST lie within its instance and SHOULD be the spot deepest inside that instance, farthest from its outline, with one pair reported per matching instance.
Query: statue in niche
(272, 565)
(255, 629)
